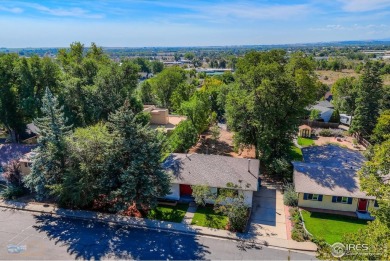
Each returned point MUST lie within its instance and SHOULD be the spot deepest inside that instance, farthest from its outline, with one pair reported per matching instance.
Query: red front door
(185, 190)
(362, 205)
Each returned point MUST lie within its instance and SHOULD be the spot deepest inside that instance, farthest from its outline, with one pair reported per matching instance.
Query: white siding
(327, 203)
(248, 196)
(175, 192)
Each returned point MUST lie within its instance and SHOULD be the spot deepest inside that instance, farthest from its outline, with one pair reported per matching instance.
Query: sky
(138, 23)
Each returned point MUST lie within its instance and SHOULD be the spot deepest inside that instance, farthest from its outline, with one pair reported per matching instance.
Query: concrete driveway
(268, 217)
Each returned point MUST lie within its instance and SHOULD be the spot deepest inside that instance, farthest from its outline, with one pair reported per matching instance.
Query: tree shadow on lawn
(335, 217)
(215, 221)
(173, 215)
(98, 240)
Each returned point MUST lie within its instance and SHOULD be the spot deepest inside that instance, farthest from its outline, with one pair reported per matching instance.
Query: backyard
(331, 227)
(169, 213)
(207, 217)
(305, 141)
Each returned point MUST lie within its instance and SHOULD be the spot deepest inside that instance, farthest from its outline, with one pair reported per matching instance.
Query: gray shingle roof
(333, 156)
(317, 179)
(329, 170)
(212, 170)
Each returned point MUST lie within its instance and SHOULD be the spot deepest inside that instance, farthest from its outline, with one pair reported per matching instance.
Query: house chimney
(249, 165)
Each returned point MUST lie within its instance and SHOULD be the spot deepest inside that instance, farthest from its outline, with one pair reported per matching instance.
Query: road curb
(145, 226)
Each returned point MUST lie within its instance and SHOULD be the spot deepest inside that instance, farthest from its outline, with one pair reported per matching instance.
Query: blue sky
(137, 23)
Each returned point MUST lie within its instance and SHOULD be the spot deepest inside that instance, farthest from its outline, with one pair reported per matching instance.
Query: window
(342, 200)
(314, 197)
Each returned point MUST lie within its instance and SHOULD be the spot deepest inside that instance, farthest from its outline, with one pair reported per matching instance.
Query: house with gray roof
(326, 109)
(215, 171)
(327, 180)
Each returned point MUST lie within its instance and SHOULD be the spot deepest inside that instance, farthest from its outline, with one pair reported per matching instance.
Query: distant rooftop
(10, 152)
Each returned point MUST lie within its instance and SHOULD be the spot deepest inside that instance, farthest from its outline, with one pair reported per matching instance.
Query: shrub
(315, 114)
(13, 192)
(335, 118)
(298, 232)
(13, 174)
(201, 194)
(183, 137)
(290, 197)
(326, 133)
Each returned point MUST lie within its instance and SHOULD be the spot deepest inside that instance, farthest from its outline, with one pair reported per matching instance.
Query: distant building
(160, 118)
(326, 109)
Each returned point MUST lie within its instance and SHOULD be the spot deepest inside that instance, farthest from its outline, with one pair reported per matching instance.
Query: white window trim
(342, 200)
(314, 198)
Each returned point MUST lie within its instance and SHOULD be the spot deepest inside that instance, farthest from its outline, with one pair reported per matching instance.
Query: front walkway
(268, 217)
(189, 214)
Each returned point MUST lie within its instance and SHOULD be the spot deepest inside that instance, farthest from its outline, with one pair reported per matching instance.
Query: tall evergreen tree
(49, 162)
(136, 176)
(368, 100)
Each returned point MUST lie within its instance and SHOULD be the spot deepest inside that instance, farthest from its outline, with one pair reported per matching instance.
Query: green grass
(331, 227)
(207, 217)
(305, 142)
(296, 153)
(169, 213)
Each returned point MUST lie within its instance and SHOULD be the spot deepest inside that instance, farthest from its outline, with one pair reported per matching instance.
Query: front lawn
(169, 213)
(296, 153)
(305, 142)
(331, 227)
(207, 217)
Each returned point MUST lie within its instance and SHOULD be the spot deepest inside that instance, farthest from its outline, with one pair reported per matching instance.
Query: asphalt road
(27, 235)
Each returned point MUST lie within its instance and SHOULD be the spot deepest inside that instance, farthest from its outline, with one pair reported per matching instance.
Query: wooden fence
(320, 124)
(361, 140)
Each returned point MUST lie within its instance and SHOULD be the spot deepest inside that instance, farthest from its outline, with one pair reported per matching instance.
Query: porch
(355, 214)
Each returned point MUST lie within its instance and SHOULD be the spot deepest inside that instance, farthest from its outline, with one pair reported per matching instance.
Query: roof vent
(249, 165)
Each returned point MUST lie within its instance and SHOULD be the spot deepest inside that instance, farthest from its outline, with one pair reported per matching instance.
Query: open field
(330, 77)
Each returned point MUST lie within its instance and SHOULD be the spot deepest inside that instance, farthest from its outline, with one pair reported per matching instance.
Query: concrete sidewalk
(159, 225)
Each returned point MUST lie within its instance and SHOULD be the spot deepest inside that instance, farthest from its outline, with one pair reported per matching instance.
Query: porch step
(364, 215)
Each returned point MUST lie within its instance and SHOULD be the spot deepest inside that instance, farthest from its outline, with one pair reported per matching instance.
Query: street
(27, 235)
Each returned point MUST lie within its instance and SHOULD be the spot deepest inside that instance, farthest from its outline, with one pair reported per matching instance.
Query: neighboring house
(215, 171)
(12, 151)
(160, 118)
(326, 109)
(327, 179)
(31, 134)
(25, 163)
(328, 96)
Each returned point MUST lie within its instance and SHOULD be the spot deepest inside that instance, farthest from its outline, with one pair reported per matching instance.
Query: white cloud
(15, 10)
(364, 5)
(354, 27)
(65, 12)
